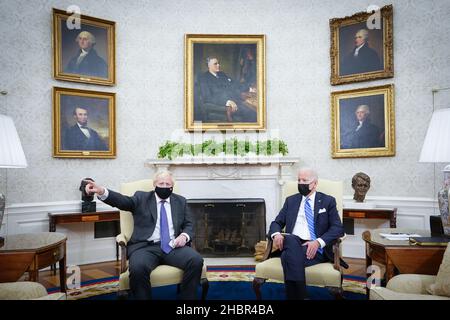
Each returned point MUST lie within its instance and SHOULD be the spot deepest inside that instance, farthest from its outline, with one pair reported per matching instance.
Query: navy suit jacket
(143, 207)
(327, 224)
(91, 65)
(366, 61)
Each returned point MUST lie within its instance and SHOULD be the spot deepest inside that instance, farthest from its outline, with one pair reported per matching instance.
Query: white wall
(150, 92)
(150, 85)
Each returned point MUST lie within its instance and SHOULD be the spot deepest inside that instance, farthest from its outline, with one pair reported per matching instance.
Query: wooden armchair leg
(205, 287)
(338, 293)
(257, 283)
(122, 294)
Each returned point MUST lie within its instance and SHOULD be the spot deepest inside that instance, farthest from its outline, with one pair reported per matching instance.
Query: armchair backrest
(128, 189)
(330, 187)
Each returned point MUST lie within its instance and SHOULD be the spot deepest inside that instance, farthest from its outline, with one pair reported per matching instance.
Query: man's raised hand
(92, 187)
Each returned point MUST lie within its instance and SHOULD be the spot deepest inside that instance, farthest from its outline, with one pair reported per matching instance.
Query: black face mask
(163, 193)
(303, 188)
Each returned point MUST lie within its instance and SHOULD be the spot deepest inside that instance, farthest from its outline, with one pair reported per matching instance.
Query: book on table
(430, 241)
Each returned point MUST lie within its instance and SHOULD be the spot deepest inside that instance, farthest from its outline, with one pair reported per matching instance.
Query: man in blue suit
(312, 225)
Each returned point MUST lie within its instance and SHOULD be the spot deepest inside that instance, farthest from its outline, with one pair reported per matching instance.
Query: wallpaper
(150, 90)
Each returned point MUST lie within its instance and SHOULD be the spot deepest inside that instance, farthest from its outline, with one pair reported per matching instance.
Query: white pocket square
(322, 210)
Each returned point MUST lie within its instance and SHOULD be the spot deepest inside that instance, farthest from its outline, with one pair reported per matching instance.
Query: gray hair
(313, 173)
(88, 35)
(162, 173)
(363, 107)
(364, 33)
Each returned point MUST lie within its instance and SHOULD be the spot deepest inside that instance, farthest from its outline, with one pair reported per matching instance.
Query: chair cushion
(322, 274)
(163, 275)
(442, 285)
(21, 290)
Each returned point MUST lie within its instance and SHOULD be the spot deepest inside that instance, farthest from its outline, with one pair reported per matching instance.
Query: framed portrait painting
(362, 122)
(225, 82)
(83, 124)
(83, 49)
(362, 47)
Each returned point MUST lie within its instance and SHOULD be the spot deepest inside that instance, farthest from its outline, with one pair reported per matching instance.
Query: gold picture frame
(362, 122)
(362, 47)
(84, 49)
(232, 99)
(84, 123)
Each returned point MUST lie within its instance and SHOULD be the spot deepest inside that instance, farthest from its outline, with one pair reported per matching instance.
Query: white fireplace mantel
(231, 177)
(227, 160)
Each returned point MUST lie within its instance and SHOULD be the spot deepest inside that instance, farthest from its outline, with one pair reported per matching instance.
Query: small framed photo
(362, 47)
(362, 122)
(83, 49)
(225, 82)
(83, 124)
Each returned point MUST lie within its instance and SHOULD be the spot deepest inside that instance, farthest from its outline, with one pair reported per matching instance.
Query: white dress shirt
(85, 131)
(359, 125)
(83, 54)
(156, 236)
(355, 54)
(301, 224)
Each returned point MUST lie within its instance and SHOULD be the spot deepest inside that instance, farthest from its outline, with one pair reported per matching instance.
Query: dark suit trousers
(146, 258)
(294, 261)
(293, 258)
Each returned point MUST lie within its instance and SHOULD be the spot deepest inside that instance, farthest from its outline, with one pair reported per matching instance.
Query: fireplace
(228, 227)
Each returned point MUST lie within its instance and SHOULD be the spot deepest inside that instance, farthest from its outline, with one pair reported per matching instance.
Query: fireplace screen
(228, 227)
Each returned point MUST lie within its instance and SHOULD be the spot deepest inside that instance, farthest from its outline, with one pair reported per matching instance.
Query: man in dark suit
(163, 226)
(80, 136)
(87, 62)
(312, 225)
(363, 134)
(362, 58)
(219, 91)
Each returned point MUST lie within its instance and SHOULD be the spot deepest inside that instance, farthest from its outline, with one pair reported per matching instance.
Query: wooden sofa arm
(122, 241)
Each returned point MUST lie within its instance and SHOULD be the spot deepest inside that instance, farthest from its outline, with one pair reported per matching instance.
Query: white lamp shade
(11, 152)
(436, 147)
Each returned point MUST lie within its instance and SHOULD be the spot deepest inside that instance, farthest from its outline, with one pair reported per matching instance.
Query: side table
(378, 213)
(30, 252)
(55, 218)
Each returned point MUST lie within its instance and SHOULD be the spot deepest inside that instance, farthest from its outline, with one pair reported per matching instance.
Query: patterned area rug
(214, 274)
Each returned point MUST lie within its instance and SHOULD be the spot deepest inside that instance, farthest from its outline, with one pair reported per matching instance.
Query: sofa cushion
(380, 293)
(21, 290)
(411, 283)
(442, 285)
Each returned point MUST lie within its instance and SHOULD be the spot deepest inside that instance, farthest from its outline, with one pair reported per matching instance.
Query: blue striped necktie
(310, 219)
(164, 229)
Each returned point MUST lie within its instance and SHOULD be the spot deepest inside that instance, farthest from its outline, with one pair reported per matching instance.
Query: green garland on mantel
(171, 150)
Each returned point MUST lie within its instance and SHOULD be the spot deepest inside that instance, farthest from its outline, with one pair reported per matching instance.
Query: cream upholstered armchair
(328, 274)
(417, 286)
(163, 274)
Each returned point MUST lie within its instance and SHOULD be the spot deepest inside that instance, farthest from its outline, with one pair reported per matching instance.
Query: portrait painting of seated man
(225, 84)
